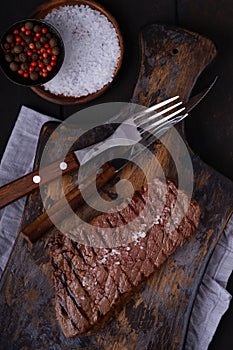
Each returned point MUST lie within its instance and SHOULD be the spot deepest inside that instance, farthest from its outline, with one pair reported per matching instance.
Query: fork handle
(25, 184)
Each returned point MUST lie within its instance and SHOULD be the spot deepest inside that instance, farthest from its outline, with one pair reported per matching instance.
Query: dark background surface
(209, 128)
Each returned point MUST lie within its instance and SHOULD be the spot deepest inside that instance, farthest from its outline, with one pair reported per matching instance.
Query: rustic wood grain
(157, 316)
(46, 8)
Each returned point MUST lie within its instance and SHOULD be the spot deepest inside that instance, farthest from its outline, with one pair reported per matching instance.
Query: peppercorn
(53, 42)
(48, 35)
(17, 39)
(34, 56)
(43, 39)
(29, 25)
(28, 39)
(22, 57)
(23, 35)
(34, 76)
(16, 58)
(38, 45)
(37, 28)
(14, 67)
(55, 51)
(6, 46)
(25, 75)
(24, 67)
(18, 49)
(46, 61)
(26, 49)
(9, 57)
(20, 71)
(10, 38)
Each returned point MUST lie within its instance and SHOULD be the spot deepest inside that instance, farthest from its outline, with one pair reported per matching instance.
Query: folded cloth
(16, 162)
(212, 299)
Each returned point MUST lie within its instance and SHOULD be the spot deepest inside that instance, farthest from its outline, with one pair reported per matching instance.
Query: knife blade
(31, 181)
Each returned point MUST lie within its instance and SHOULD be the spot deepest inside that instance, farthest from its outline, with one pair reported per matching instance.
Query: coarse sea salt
(92, 51)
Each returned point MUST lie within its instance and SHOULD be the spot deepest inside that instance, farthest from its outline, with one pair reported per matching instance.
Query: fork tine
(154, 116)
(159, 131)
(154, 107)
(162, 120)
(168, 124)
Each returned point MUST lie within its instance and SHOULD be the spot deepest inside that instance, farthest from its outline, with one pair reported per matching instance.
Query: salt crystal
(115, 251)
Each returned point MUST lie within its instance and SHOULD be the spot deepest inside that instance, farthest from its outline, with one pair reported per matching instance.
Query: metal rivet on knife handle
(63, 165)
(36, 179)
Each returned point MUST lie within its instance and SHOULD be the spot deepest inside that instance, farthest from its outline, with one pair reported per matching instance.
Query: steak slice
(90, 282)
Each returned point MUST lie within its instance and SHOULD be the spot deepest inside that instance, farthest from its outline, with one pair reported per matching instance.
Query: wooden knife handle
(59, 211)
(25, 184)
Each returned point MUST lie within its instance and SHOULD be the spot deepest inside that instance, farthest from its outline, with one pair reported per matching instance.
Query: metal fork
(153, 120)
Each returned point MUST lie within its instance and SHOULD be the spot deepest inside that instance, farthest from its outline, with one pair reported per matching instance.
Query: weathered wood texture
(156, 317)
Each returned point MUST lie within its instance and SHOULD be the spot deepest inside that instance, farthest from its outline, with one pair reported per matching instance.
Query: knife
(31, 181)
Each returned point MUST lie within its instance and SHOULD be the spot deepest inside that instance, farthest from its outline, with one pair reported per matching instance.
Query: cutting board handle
(170, 56)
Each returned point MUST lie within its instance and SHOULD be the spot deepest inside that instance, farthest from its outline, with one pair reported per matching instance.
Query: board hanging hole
(175, 51)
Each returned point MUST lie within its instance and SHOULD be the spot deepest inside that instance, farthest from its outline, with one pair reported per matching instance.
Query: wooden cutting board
(156, 317)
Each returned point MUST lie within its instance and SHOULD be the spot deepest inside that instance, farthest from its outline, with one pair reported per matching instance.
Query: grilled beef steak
(90, 282)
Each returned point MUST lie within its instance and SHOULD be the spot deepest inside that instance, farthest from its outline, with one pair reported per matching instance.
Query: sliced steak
(91, 281)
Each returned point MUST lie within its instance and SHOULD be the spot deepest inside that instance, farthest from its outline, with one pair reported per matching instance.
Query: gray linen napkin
(212, 299)
(17, 160)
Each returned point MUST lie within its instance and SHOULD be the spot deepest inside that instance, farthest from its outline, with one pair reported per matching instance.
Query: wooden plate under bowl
(48, 7)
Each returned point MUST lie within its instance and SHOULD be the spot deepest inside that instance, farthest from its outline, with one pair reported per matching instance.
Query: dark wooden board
(157, 317)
